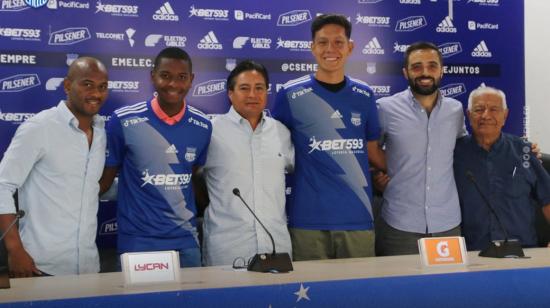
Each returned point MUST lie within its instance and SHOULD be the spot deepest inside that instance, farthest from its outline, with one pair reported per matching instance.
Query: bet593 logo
(170, 181)
(340, 146)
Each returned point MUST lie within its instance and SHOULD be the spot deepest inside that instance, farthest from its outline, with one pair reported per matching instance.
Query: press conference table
(398, 281)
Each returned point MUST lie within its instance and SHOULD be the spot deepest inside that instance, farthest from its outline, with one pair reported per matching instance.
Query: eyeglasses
(241, 263)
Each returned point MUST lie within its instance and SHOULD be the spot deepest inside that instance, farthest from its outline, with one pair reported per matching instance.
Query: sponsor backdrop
(37, 44)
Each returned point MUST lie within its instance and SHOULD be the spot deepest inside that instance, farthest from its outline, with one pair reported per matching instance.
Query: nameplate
(153, 267)
(438, 251)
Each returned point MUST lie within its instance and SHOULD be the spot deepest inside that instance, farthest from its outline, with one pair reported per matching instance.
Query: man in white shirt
(251, 152)
(55, 161)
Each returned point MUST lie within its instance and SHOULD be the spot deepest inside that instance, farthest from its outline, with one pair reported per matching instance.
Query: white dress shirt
(57, 175)
(254, 161)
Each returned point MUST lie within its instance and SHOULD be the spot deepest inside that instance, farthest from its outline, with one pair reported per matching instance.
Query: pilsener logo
(18, 83)
(13, 5)
(293, 18)
(450, 49)
(453, 89)
(410, 24)
(336, 146)
(209, 88)
(69, 36)
(169, 181)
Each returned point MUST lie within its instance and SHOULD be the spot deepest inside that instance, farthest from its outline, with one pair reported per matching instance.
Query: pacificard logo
(18, 83)
(410, 24)
(209, 88)
(55, 4)
(240, 16)
(69, 36)
(293, 18)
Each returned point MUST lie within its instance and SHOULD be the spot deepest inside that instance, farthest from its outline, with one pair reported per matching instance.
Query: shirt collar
(170, 120)
(237, 118)
(414, 102)
(495, 147)
(68, 117)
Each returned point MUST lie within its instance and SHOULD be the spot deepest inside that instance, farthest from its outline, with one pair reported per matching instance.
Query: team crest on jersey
(191, 154)
(355, 119)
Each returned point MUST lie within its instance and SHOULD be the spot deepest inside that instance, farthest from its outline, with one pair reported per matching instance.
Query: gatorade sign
(443, 251)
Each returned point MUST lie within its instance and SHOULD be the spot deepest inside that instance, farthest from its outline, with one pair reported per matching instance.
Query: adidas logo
(171, 149)
(446, 26)
(210, 41)
(373, 47)
(481, 51)
(165, 12)
(336, 115)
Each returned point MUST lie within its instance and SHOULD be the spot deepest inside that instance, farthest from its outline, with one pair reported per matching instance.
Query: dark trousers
(392, 242)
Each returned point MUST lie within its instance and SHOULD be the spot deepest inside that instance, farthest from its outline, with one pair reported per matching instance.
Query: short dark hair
(244, 66)
(173, 53)
(419, 46)
(330, 19)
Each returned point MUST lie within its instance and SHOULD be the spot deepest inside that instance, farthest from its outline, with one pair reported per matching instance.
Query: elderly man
(55, 160)
(248, 151)
(506, 171)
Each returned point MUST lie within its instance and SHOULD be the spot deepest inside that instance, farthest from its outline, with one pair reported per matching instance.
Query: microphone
(4, 270)
(498, 248)
(274, 262)
(20, 214)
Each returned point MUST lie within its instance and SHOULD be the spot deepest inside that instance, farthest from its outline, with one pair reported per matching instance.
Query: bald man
(55, 161)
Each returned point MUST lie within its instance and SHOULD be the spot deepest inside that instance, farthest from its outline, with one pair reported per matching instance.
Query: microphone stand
(497, 249)
(273, 262)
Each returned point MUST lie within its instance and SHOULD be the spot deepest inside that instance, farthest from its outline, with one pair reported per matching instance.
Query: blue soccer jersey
(330, 186)
(156, 205)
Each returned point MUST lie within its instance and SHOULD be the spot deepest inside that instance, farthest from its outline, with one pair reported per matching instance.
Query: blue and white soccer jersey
(331, 189)
(156, 205)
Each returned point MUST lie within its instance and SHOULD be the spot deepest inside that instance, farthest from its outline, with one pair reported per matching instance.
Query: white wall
(537, 71)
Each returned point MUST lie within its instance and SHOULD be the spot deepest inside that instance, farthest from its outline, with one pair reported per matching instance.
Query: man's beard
(418, 89)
